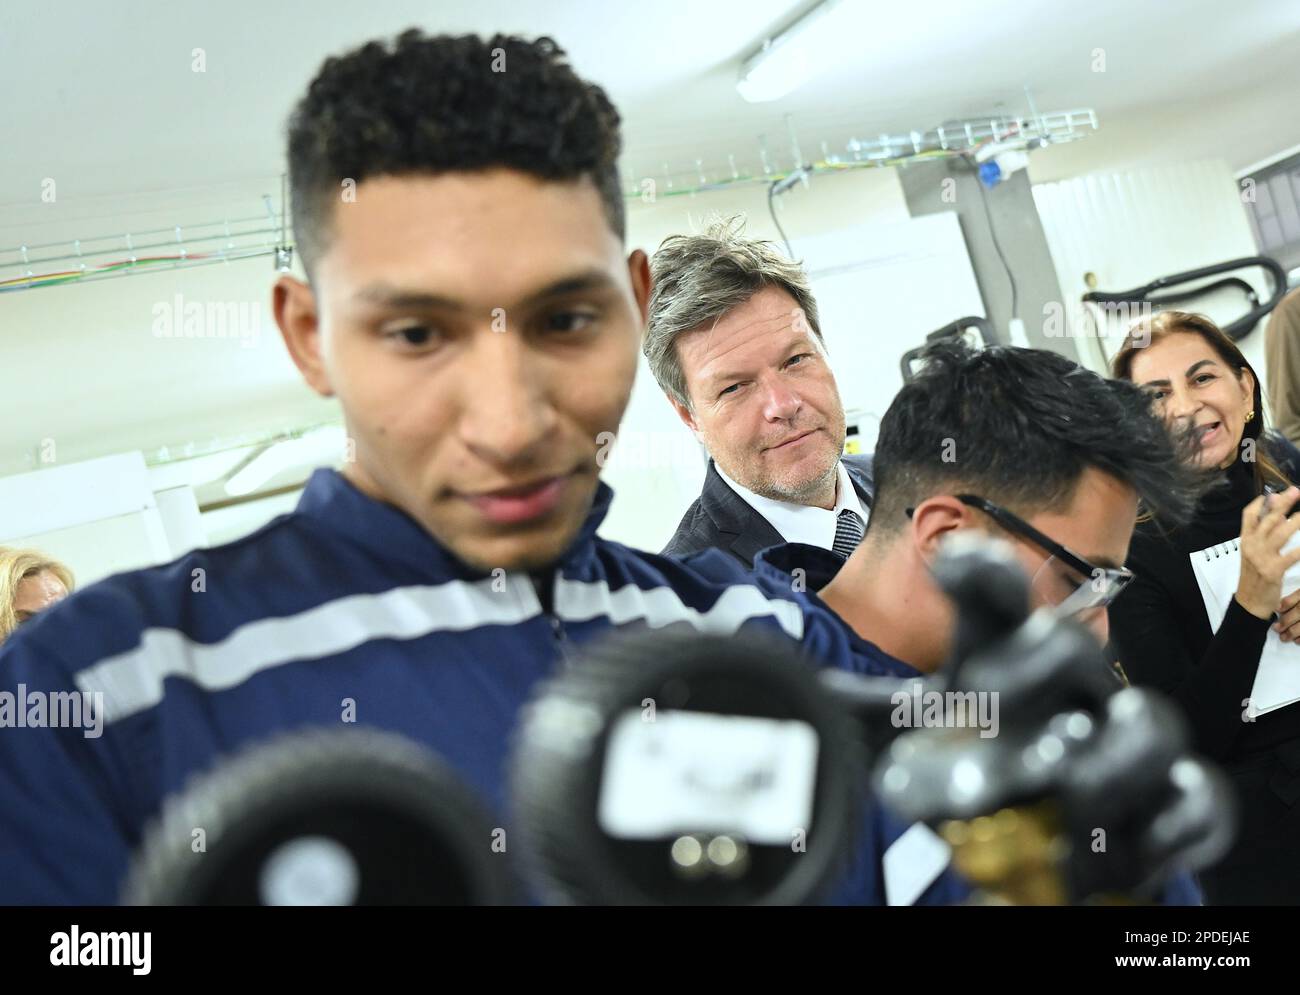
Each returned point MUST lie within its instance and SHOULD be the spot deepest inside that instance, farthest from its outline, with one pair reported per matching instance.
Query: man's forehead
(741, 339)
(514, 236)
(530, 289)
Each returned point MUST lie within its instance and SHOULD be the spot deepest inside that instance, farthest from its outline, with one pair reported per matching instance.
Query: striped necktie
(848, 532)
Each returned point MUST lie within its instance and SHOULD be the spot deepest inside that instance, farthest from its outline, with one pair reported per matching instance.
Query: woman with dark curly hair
(1205, 649)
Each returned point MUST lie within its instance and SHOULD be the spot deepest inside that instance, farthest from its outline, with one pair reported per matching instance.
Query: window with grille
(1273, 206)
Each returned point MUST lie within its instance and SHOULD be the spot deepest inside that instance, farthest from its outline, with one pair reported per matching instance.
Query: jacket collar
(819, 565)
(748, 531)
(392, 535)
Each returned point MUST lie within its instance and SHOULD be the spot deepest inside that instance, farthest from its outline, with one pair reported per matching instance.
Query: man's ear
(294, 304)
(934, 520)
(684, 413)
(638, 269)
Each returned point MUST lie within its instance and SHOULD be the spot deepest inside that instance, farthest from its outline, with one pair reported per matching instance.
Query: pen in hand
(1268, 499)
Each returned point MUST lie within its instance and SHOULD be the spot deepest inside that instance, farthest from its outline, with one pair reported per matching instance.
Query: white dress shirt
(799, 522)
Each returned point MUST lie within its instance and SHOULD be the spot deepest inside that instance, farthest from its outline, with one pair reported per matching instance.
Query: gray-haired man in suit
(734, 342)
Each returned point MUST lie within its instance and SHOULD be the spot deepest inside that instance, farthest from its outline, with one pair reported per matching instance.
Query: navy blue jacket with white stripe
(345, 598)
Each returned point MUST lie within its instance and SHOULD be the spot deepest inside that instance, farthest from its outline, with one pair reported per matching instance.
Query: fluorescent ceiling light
(787, 61)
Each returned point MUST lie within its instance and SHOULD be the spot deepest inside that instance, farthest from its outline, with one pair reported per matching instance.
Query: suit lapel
(748, 531)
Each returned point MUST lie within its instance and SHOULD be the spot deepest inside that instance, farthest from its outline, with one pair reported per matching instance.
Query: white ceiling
(102, 97)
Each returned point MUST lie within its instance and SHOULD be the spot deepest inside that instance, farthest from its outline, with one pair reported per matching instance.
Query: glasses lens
(1070, 595)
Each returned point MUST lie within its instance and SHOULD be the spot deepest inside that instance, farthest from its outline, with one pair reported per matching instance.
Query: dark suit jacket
(721, 519)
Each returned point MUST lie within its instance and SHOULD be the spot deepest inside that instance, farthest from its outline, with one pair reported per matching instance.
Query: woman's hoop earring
(1250, 415)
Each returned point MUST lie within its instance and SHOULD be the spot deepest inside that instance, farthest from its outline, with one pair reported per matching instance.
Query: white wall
(881, 288)
(232, 522)
(98, 517)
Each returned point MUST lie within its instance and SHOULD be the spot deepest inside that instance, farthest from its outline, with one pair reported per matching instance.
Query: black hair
(1019, 427)
(434, 104)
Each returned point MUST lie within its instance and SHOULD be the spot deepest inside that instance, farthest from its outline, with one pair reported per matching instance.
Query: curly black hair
(433, 104)
(1019, 427)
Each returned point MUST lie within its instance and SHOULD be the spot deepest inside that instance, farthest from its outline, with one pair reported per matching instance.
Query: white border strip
(133, 681)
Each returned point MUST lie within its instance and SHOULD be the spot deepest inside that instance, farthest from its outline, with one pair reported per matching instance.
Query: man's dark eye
(728, 390)
(412, 335)
(568, 321)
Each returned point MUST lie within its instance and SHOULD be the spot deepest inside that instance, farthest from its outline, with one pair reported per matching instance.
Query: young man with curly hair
(470, 303)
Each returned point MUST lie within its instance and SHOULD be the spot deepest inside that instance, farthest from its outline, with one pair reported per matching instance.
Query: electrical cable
(1011, 279)
(771, 207)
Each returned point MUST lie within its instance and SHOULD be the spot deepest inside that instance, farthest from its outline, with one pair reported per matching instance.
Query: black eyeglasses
(1099, 585)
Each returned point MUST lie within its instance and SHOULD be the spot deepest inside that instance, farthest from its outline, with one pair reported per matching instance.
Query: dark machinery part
(323, 817)
(953, 330)
(1235, 330)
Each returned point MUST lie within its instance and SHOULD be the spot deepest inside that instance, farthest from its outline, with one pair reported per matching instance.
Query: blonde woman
(29, 583)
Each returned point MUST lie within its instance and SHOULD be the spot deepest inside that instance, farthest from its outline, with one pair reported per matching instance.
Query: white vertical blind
(1130, 228)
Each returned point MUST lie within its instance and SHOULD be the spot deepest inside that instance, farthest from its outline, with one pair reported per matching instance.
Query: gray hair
(700, 278)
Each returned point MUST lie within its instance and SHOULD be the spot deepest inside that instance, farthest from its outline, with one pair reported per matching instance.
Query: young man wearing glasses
(1019, 443)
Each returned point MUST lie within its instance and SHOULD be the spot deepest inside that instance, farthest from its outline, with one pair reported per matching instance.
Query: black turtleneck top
(1162, 633)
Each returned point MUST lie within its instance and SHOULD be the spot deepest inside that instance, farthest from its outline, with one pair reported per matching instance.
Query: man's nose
(780, 403)
(507, 413)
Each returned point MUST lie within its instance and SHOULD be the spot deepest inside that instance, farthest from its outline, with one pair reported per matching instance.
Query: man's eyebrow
(592, 279)
(386, 295)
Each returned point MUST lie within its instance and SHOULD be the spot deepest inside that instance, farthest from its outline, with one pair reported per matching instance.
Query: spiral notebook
(1277, 681)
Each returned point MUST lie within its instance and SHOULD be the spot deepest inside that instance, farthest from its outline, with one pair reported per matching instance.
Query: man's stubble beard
(774, 489)
(801, 495)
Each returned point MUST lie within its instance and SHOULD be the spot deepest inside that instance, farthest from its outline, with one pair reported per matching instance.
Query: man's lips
(793, 441)
(520, 503)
